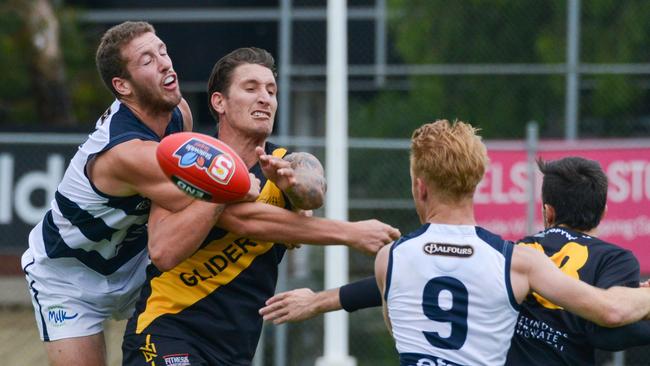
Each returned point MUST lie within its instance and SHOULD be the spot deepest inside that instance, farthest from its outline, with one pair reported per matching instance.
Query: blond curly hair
(450, 157)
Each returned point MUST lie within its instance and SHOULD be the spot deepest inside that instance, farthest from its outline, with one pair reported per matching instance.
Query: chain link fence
(577, 68)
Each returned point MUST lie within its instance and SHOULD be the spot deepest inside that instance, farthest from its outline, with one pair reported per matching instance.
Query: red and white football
(203, 167)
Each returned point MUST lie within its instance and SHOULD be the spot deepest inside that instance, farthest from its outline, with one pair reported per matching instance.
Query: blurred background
(574, 75)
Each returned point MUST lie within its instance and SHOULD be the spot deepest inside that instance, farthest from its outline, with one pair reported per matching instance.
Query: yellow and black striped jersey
(214, 296)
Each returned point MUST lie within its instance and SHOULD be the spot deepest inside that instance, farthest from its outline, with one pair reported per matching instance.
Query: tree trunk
(51, 94)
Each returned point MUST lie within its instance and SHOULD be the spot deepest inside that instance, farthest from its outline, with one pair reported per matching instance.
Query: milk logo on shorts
(59, 315)
(182, 359)
(218, 164)
(453, 250)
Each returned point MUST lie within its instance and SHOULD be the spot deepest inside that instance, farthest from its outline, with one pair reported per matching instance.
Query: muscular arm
(616, 306)
(266, 222)
(381, 269)
(173, 237)
(308, 192)
(298, 175)
(131, 168)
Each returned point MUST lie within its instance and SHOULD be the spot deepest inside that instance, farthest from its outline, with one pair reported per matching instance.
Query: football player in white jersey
(86, 259)
(452, 289)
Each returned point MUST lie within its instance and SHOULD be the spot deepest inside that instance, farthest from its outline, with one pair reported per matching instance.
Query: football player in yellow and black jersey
(205, 286)
(574, 195)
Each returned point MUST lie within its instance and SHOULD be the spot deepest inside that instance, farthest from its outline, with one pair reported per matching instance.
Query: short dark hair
(577, 190)
(221, 75)
(109, 60)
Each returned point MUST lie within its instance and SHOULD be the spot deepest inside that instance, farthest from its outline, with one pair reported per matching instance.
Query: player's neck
(449, 213)
(592, 232)
(244, 145)
(156, 120)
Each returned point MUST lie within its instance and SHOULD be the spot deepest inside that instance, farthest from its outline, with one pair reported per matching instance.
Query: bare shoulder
(382, 254)
(133, 154)
(115, 170)
(186, 112)
(381, 267)
(527, 264)
(381, 260)
(522, 258)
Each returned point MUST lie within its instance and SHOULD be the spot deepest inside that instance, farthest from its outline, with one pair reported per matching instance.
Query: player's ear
(549, 215)
(421, 189)
(217, 101)
(122, 86)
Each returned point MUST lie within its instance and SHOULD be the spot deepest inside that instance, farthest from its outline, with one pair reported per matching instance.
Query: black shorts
(149, 350)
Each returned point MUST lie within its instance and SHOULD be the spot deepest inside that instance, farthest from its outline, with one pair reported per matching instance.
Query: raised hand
(299, 175)
(277, 170)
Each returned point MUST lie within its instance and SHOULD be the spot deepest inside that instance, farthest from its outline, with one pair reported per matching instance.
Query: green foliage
(492, 31)
(89, 98)
(15, 85)
(499, 31)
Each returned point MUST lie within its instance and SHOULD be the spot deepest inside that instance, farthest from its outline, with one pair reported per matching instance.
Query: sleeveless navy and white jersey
(86, 228)
(449, 297)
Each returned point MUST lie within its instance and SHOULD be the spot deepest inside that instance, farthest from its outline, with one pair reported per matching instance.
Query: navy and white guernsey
(449, 297)
(86, 228)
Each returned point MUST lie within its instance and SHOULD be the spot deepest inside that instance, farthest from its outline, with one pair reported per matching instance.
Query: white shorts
(65, 310)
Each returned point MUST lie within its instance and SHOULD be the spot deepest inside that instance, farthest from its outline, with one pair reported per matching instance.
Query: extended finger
(286, 172)
(271, 309)
(275, 298)
(259, 151)
(279, 163)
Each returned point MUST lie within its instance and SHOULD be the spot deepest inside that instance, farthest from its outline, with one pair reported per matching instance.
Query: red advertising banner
(502, 198)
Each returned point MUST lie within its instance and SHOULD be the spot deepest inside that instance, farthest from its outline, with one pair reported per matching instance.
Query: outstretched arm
(302, 304)
(267, 222)
(616, 306)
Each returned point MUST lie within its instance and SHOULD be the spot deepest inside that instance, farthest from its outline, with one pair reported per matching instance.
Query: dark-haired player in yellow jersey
(574, 196)
(200, 303)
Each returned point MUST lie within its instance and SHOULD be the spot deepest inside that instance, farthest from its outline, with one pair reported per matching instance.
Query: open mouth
(261, 114)
(169, 81)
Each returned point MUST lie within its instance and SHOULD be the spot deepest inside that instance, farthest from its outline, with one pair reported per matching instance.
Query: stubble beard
(152, 101)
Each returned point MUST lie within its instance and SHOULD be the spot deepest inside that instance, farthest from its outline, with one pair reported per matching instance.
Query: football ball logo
(216, 163)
